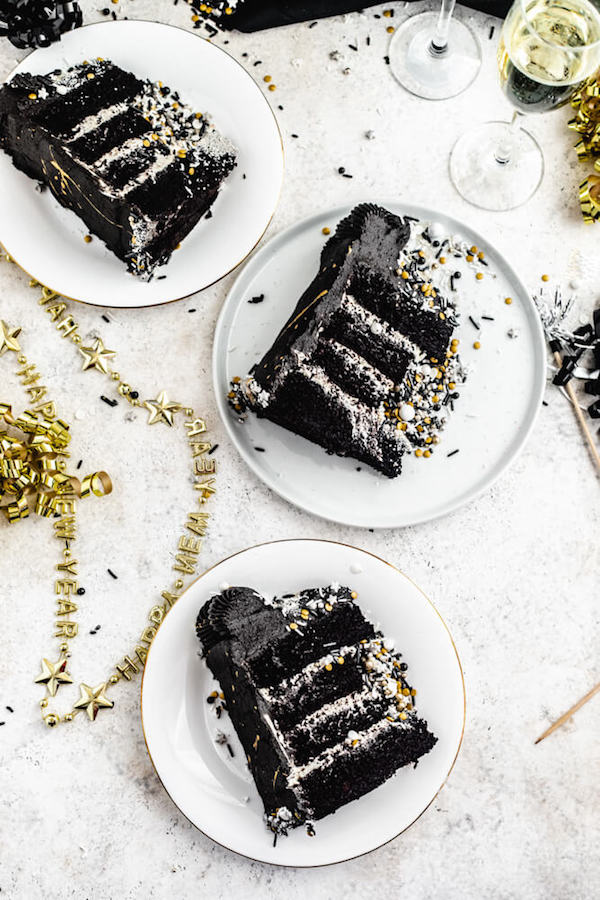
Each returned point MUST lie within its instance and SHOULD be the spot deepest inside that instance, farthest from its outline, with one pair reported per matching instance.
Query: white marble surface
(515, 574)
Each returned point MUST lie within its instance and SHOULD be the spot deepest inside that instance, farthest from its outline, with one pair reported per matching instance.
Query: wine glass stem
(439, 42)
(504, 150)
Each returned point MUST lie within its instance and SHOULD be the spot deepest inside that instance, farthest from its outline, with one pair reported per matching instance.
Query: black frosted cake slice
(366, 363)
(137, 164)
(317, 696)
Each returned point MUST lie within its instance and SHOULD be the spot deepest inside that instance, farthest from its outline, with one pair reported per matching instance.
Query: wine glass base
(431, 76)
(487, 183)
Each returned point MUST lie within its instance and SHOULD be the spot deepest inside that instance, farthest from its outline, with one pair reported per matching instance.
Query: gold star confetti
(93, 699)
(8, 338)
(96, 356)
(161, 409)
(53, 675)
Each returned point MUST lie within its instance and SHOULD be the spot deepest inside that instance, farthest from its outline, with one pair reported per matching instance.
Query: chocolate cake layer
(367, 349)
(128, 156)
(318, 698)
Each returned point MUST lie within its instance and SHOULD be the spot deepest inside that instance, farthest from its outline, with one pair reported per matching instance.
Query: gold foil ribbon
(32, 466)
(586, 123)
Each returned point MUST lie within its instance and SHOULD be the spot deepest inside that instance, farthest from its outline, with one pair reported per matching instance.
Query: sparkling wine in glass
(547, 49)
(434, 55)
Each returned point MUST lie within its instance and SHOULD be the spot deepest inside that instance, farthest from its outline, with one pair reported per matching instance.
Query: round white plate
(491, 421)
(215, 791)
(48, 240)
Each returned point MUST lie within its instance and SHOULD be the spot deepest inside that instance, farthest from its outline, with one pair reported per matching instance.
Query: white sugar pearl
(376, 328)
(389, 643)
(436, 231)
(356, 569)
(407, 412)
(224, 585)
(352, 735)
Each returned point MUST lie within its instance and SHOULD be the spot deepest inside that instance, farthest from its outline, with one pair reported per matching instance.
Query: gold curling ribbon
(589, 197)
(586, 102)
(33, 468)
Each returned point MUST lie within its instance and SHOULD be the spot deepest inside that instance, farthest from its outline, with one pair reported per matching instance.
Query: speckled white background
(515, 574)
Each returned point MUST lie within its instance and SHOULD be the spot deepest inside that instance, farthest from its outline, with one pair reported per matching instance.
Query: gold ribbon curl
(33, 464)
(586, 123)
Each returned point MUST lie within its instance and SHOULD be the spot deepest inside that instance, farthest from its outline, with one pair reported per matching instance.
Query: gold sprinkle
(90, 75)
(32, 96)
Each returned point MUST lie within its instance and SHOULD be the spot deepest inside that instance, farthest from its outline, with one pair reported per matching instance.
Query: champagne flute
(434, 55)
(547, 49)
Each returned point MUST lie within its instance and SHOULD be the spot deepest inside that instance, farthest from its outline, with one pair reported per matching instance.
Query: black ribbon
(254, 15)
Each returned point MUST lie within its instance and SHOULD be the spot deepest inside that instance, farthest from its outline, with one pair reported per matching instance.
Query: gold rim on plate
(462, 678)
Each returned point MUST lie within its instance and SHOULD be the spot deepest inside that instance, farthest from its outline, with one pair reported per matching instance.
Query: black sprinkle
(294, 135)
(386, 60)
(275, 835)
(81, 591)
(368, 41)
(260, 449)
(107, 401)
(10, 709)
(258, 62)
(491, 34)
(231, 753)
(544, 403)
(452, 453)
(474, 323)
(346, 175)
(212, 449)
(280, 107)
(209, 214)
(112, 574)
(488, 318)
(79, 463)
(2, 723)
(160, 277)
(341, 170)
(106, 319)
(193, 309)
(312, 24)
(258, 299)
(353, 47)
(210, 700)
(134, 395)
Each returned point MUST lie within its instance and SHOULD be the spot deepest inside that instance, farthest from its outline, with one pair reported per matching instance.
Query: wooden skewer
(580, 417)
(569, 713)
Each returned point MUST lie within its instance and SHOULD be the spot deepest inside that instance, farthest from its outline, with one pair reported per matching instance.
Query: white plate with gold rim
(48, 241)
(214, 790)
(491, 421)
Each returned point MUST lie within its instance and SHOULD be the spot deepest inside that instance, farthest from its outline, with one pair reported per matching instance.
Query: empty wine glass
(547, 49)
(434, 55)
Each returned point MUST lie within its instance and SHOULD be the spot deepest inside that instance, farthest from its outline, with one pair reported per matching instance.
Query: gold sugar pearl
(326, 230)
(481, 255)
(405, 275)
(476, 345)
(113, 679)
(293, 626)
(88, 238)
(387, 13)
(545, 278)
(442, 259)
(479, 276)
(427, 453)
(413, 692)
(329, 667)
(473, 249)
(418, 452)
(272, 87)
(267, 78)
(403, 716)
(390, 29)
(470, 257)
(328, 607)
(340, 660)
(354, 595)
(406, 692)
(32, 96)
(508, 300)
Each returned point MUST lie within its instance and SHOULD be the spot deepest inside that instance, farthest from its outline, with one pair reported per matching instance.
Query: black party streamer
(37, 23)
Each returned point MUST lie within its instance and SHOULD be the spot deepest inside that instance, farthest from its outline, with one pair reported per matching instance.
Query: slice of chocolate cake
(316, 694)
(137, 164)
(366, 361)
